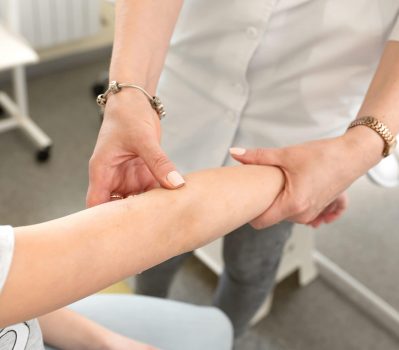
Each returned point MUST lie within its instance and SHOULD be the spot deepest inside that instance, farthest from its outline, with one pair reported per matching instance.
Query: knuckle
(258, 224)
(89, 202)
(300, 205)
(94, 165)
(259, 154)
(306, 218)
(94, 162)
(303, 219)
(96, 169)
(160, 161)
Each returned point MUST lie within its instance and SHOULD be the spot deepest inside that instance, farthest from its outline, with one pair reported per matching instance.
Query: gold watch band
(381, 129)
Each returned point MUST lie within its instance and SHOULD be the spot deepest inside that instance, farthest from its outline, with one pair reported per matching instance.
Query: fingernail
(237, 151)
(175, 179)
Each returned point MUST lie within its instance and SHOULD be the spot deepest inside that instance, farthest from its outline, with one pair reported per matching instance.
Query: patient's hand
(67, 330)
(119, 342)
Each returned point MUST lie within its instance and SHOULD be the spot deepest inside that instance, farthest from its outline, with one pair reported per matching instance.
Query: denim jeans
(166, 324)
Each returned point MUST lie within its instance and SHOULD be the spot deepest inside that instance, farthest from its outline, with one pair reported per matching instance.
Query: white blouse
(261, 73)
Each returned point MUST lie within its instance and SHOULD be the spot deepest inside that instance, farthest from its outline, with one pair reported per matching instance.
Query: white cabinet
(297, 256)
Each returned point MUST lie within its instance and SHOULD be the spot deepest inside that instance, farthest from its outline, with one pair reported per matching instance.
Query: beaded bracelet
(114, 87)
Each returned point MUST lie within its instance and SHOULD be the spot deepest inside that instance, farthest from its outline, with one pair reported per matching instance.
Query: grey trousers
(251, 260)
(166, 324)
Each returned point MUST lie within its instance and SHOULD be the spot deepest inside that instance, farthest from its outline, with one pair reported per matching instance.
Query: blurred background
(54, 55)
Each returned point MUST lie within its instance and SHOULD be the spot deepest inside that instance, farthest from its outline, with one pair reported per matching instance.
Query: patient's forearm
(58, 262)
(65, 329)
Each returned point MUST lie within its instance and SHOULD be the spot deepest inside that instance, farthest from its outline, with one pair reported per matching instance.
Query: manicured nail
(175, 179)
(237, 151)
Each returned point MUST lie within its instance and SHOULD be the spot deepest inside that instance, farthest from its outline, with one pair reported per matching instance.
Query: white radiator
(47, 23)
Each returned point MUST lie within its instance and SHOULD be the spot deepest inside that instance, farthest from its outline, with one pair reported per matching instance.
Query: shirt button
(252, 32)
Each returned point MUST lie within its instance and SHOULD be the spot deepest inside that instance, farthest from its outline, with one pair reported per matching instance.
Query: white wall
(50, 22)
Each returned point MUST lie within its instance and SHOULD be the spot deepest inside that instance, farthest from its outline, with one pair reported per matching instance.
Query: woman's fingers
(260, 156)
(332, 212)
(315, 173)
(161, 166)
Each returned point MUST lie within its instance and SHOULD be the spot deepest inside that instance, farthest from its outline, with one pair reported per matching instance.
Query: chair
(15, 54)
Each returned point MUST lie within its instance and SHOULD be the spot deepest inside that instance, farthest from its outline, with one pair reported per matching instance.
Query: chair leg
(20, 89)
(19, 120)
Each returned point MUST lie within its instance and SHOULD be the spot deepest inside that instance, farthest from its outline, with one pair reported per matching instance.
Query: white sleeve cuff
(6, 252)
(395, 31)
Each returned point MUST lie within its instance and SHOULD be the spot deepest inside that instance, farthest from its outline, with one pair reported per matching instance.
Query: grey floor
(365, 242)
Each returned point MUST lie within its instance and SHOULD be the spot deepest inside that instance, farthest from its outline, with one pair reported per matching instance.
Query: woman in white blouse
(265, 74)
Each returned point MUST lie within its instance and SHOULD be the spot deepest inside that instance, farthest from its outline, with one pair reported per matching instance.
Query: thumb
(259, 156)
(161, 166)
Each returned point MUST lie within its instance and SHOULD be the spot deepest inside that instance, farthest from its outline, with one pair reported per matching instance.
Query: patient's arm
(58, 262)
(66, 330)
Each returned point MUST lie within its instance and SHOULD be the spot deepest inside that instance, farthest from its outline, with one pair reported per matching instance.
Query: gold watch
(381, 129)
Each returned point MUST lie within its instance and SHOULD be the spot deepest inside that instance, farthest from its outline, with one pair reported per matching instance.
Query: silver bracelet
(114, 87)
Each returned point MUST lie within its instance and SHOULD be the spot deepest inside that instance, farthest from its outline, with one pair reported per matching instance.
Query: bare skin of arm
(128, 157)
(61, 261)
(310, 191)
(83, 334)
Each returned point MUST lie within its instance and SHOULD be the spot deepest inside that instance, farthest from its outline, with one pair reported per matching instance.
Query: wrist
(104, 340)
(363, 144)
(116, 87)
(131, 76)
(128, 102)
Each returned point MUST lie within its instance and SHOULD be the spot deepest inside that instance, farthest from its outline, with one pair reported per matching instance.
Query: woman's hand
(128, 158)
(316, 173)
(332, 212)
